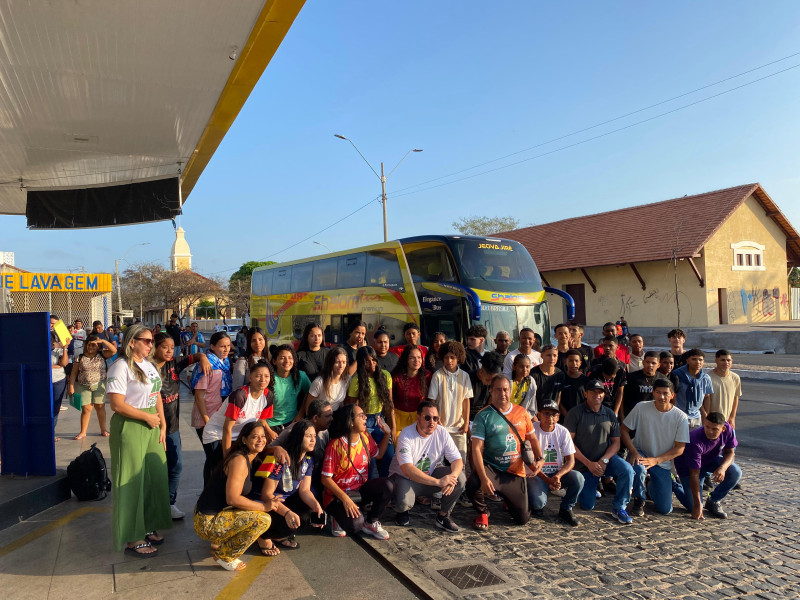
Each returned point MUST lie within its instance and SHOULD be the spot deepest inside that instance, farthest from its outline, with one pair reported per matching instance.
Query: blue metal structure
(567, 298)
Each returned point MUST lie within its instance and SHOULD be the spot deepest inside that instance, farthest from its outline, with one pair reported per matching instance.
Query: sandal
(154, 538)
(234, 565)
(270, 550)
(291, 543)
(481, 522)
(134, 550)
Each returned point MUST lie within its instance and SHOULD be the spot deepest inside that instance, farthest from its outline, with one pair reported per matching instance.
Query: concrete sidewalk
(66, 551)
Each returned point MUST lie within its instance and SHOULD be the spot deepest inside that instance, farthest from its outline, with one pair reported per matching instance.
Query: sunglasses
(431, 418)
(148, 341)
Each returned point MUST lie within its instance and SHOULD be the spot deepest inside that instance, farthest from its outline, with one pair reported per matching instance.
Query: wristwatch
(605, 460)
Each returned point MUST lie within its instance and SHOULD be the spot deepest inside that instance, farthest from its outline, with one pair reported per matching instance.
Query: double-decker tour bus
(440, 282)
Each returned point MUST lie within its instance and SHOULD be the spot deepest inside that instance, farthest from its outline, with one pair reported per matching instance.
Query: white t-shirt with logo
(338, 391)
(121, 380)
(555, 445)
(251, 410)
(425, 453)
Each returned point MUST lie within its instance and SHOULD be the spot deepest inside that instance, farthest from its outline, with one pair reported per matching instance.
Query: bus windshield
(511, 319)
(497, 266)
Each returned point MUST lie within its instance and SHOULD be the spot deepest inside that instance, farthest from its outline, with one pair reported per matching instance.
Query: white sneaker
(375, 530)
(337, 531)
(176, 512)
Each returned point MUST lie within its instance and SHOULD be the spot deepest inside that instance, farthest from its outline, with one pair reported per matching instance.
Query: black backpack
(88, 477)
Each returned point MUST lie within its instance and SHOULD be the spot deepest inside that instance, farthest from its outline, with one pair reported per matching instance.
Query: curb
(767, 375)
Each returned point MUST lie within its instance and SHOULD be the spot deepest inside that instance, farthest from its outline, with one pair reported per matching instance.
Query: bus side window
(430, 264)
(301, 278)
(282, 281)
(262, 283)
(351, 271)
(324, 275)
(383, 270)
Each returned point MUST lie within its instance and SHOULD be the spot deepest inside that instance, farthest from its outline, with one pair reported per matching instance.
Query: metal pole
(119, 293)
(383, 201)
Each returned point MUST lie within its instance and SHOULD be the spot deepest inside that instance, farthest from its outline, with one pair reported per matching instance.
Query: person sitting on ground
(621, 352)
(491, 365)
(666, 364)
(320, 413)
(677, 338)
(410, 382)
(526, 341)
(331, 384)
(476, 339)
(256, 351)
(451, 390)
(297, 498)
(662, 431)
(639, 384)
(249, 403)
(576, 342)
(418, 469)
(87, 380)
(371, 389)
(345, 475)
(595, 431)
(574, 381)
(224, 515)
(523, 386)
(710, 451)
(637, 353)
(611, 373)
(432, 361)
(548, 377)
(497, 460)
(726, 388)
(558, 469)
(387, 361)
(696, 387)
(312, 351)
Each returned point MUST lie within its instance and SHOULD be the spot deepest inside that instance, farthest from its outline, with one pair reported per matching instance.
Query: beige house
(714, 258)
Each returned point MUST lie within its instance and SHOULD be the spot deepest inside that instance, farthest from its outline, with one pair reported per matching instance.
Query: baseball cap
(549, 404)
(594, 384)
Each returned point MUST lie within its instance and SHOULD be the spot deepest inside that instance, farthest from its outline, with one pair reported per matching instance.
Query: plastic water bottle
(286, 479)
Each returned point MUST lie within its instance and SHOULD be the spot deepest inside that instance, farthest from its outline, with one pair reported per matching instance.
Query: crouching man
(701, 457)
(416, 467)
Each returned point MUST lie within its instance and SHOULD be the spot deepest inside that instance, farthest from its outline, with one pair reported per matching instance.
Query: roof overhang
(134, 97)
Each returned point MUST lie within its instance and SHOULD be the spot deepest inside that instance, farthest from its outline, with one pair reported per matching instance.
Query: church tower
(180, 259)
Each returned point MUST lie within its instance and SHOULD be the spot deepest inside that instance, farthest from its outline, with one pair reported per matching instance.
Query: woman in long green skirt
(140, 486)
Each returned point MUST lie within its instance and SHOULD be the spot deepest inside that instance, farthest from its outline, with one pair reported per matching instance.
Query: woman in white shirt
(138, 461)
(332, 383)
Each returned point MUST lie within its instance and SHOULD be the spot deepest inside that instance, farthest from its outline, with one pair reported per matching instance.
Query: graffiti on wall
(755, 303)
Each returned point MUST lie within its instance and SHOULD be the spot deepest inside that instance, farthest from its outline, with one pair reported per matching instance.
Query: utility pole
(119, 292)
(383, 201)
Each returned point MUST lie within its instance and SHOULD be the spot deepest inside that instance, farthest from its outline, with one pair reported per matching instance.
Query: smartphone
(317, 519)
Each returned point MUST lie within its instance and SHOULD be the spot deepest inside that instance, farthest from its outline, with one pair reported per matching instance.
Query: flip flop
(234, 565)
(151, 537)
(290, 543)
(134, 550)
(271, 550)
(481, 522)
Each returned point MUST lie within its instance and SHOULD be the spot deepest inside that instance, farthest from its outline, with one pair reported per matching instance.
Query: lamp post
(116, 272)
(323, 245)
(383, 177)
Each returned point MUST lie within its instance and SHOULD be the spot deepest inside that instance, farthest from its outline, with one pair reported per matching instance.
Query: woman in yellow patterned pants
(224, 515)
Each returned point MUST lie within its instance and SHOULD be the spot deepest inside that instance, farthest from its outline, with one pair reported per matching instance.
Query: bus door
(449, 324)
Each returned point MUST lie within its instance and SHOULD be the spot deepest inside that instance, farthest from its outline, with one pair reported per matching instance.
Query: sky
(468, 83)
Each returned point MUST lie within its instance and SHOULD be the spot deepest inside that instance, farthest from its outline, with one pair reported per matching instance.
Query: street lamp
(382, 177)
(323, 245)
(116, 272)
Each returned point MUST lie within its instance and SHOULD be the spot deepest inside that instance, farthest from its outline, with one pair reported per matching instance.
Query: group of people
(321, 435)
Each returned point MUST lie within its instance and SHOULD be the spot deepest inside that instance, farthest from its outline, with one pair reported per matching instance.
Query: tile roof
(682, 225)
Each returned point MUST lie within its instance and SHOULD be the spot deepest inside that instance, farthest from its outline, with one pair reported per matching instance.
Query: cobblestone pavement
(754, 554)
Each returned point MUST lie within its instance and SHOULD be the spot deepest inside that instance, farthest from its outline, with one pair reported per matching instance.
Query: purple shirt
(701, 452)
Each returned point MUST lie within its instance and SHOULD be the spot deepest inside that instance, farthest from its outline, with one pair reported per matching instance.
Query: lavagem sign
(56, 282)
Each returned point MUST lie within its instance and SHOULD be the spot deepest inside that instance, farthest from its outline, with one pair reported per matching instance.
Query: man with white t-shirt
(416, 468)
(79, 337)
(557, 472)
(526, 339)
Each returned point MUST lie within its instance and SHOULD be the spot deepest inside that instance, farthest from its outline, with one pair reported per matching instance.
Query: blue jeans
(59, 387)
(382, 469)
(572, 482)
(621, 472)
(683, 490)
(174, 464)
(660, 488)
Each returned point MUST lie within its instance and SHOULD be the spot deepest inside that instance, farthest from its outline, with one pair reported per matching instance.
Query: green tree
(794, 277)
(239, 285)
(475, 225)
(245, 272)
(206, 309)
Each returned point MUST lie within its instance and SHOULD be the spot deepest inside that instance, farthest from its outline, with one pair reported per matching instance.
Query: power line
(313, 235)
(596, 137)
(585, 129)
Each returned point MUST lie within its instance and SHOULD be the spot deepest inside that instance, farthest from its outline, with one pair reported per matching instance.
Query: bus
(442, 283)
